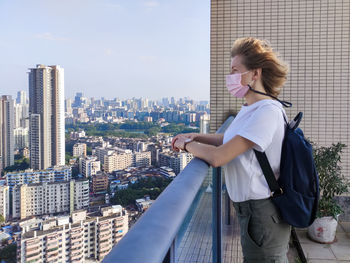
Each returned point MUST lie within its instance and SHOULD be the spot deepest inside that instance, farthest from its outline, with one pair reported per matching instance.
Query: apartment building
(117, 161)
(141, 159)
(100, 183)
(101, 152)
(120, 161)
(176, 161)
(49, 198)
(89, 166)
(46, 111)
(74, 239)
(49, 175)
(79, 149)
(4, 201)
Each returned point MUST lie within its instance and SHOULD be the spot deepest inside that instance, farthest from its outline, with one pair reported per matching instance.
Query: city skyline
(121, 49)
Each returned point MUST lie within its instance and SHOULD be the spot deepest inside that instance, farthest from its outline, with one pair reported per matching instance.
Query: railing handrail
(149, 240)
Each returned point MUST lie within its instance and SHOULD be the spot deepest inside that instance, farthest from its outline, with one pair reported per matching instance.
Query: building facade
(100, 183)
(89, 166)
(142, 159)
(117, 161)
(4, 201)
(50, 175)
(79, 149)
(49, 198)
(313, 38)
(176, 161)
(74, 239)
(46, 111)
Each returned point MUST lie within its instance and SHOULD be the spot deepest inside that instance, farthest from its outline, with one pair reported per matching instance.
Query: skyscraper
(314, 38)
(6, 132)
(21, 97)
(46, 113)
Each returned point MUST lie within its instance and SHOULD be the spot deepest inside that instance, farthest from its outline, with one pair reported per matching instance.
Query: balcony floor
(196, 245)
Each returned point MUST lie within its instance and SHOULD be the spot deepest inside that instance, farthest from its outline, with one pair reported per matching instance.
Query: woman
(257, 75)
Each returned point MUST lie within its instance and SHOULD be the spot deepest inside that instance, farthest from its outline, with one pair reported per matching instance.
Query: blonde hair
(258, 53)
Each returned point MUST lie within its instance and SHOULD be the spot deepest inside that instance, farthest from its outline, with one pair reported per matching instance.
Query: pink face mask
(234, 86)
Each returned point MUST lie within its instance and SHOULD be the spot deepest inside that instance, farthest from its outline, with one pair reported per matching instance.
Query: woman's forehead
(236, 61)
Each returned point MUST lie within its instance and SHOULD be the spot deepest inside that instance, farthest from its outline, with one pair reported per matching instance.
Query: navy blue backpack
(296, 192)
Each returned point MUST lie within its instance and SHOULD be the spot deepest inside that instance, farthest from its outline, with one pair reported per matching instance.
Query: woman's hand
(179, 143)
(185, 136)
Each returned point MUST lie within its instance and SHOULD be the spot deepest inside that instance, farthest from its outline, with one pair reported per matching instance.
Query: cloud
(51, 37)
(151, 4)
(108, 52)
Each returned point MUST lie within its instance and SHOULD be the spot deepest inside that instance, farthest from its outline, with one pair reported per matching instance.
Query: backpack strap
(268, 173)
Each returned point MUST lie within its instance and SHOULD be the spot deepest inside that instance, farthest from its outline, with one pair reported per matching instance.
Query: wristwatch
(188, 140)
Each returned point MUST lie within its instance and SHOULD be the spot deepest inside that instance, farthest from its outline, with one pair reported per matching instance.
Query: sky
(109, 48)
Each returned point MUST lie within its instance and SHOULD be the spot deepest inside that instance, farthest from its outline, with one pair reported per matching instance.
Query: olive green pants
(264, 235)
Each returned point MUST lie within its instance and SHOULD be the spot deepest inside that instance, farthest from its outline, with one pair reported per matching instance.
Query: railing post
(171, 255)
(216, 215)
(227, 209)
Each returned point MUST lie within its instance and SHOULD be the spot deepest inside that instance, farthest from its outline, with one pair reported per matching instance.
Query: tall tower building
(46, 114)
(314, 38)
(21, 97)
(6, 132)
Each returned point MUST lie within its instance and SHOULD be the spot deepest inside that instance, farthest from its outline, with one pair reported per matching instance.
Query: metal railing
(153, 238)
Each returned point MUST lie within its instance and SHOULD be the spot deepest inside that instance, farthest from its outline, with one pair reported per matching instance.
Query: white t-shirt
(262, 123)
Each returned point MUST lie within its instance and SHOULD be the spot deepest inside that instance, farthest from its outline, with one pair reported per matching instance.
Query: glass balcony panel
(194, 240)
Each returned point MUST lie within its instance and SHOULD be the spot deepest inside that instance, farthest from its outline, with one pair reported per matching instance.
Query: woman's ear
(257, 73)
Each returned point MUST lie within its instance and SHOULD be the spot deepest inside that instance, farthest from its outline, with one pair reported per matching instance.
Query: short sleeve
(261, 126)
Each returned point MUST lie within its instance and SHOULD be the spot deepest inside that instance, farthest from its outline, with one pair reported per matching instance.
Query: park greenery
(151, 186)
(128, 129)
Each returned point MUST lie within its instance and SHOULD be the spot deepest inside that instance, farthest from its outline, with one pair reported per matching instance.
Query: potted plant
(332, 183)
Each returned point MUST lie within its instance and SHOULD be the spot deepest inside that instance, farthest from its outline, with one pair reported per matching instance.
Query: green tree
(8, 253)
(152, 186)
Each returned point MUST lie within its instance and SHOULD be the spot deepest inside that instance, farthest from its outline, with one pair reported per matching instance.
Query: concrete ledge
(338, 252)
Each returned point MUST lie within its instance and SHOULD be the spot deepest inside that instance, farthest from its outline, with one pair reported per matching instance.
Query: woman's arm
(212, 139)
(217, 156)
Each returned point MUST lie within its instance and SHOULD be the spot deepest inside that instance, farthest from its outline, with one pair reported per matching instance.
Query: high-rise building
(204, 123)
(6, 131)
(68, 107)
(78, 99)
(21, 115)
(313, 38)
(80, 238)
(21, 97)
(46, 109)
(21, 136)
